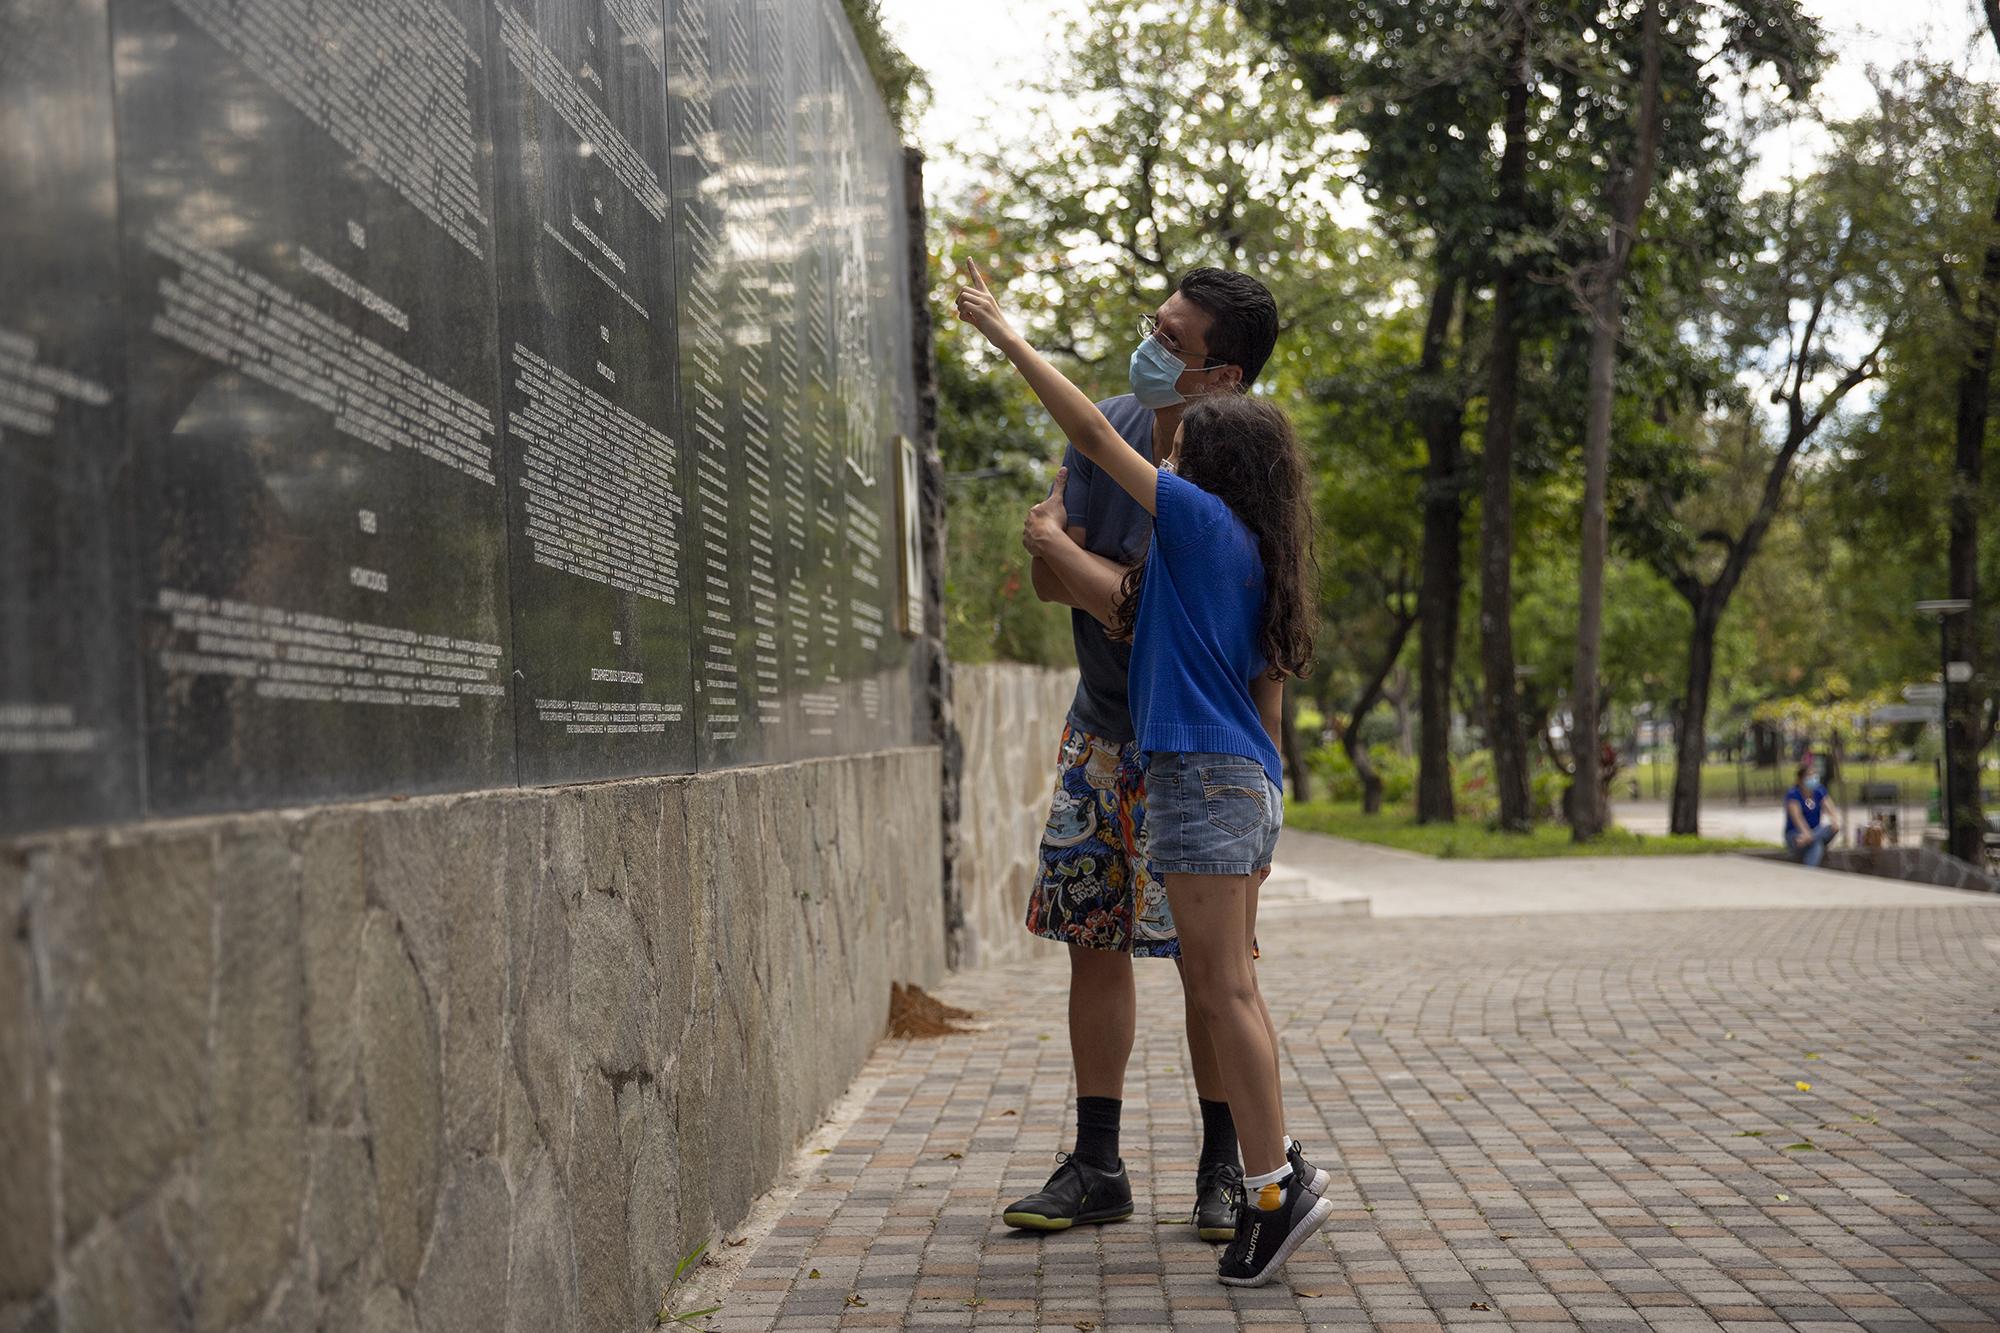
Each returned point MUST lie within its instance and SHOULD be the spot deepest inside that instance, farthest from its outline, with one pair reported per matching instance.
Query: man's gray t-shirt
(1117, 528)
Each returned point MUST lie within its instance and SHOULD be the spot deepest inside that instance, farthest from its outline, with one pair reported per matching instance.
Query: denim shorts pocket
(1234, 795)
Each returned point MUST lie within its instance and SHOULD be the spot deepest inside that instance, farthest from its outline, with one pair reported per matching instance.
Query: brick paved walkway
(1556, 1121)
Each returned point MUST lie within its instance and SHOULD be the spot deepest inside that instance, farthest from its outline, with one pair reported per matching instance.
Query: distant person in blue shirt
(1811, 818)
(1219, 614)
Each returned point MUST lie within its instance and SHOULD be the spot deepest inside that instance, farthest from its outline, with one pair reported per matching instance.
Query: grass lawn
(1397, 827)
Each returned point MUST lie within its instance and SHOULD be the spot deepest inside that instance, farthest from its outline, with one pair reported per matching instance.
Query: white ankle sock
(1265, 1191)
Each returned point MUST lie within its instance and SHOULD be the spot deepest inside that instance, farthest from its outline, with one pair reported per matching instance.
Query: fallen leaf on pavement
(1802, 1085)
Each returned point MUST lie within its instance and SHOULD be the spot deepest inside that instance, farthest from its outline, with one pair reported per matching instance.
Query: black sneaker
(1218, 1193)
(1078, 1194)
(1265, 1238)
(1316, 1180)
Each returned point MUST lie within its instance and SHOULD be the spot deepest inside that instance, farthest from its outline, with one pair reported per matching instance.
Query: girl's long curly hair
(1243, 451)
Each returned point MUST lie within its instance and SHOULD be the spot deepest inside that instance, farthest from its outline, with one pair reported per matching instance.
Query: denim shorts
(1210, 814)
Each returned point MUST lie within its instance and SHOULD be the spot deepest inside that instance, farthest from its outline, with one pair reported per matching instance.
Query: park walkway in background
(1634, 1110)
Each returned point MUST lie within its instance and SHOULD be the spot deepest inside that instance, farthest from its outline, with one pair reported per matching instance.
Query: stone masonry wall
(1919, 865)
(1009, 721)
(486, 1062)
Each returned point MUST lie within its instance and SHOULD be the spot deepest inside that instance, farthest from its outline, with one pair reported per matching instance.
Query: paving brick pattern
(1563, 1121)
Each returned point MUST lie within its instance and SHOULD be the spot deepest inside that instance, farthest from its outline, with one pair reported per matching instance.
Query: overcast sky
(980, 66)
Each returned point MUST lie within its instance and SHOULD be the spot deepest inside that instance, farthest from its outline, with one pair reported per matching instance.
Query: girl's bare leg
(1210, 914)
(1250, 926)
(1208, 1082)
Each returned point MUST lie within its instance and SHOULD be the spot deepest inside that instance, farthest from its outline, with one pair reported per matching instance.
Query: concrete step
(1290, 888)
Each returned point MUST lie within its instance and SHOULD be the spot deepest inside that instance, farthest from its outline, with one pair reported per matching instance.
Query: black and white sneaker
(1218, 1194)
(1266, 1237)
(1078, 1194)
(1316, 1179)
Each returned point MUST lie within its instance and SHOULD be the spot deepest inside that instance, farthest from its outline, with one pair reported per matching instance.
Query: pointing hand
(977, 307)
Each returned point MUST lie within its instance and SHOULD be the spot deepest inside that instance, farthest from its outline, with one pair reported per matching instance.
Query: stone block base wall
(484, 1062)
(1919, 865)
(1009, 721)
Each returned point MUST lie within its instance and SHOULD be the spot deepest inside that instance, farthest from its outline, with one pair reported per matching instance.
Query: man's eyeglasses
(1149, 327)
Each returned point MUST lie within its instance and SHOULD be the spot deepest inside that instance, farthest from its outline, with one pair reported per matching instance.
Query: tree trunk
(1586, 810)
(1364, 704)
(1397, 692)
(1443, 421)
(1496, 538)
(1606, 290)
(1288, 737)
(1364, 768)
(1966, 838)
(1709, 600)
(1691, 729)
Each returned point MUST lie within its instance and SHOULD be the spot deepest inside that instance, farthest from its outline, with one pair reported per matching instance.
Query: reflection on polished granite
(67, 722)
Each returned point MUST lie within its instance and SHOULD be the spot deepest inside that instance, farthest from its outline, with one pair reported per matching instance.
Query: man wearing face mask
(1093, 892)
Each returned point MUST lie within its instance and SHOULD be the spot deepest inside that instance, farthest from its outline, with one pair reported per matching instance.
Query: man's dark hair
(1245, 317)
(1803, 769)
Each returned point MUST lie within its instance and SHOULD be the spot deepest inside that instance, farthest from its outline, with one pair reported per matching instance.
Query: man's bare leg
(1090, 1186)
(1103, 1016)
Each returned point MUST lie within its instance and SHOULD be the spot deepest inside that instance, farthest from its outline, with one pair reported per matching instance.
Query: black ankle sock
(1097, 1131)
(1218, 1135)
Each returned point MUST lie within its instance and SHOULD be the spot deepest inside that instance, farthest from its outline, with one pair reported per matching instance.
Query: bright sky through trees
(983, 61)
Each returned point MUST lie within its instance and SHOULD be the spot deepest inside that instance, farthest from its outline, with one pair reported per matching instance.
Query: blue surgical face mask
(1155, 372)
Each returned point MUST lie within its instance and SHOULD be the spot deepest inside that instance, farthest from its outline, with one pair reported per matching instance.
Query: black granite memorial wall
(427, 395)
(587, 321)
(68, 738)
